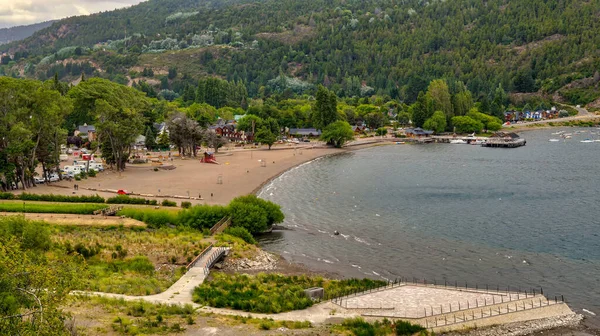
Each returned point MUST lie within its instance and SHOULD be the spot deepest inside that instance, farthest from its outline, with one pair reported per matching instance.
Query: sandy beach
(241, 172)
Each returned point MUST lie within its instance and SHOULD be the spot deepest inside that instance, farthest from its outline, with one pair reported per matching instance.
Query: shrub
(124, 199)
(78, 177)
(168, 203)
(407, 328)
(32, 235)
(7, 195)
(241, 232)
(61, 198)
(79, 209)
(270, 293)
(254, 214)
(202, 216)
(152, 217)
(186, 205)
(92, 173)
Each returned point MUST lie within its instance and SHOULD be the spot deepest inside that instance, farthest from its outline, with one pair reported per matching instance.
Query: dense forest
(355, 48)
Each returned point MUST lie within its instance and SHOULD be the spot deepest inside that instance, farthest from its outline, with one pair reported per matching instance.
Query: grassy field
(271, 293)
(78, 220)
(113, 316)
(134, 261)
(50, 207)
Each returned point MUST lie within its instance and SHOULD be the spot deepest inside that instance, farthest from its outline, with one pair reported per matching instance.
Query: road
(582, 114)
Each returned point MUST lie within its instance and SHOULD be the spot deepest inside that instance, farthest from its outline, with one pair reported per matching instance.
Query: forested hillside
(20, 32)
(355, 48)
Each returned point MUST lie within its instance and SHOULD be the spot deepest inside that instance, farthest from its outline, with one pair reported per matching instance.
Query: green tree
(35, 286)
(420, 110)
(150, 142)
(325, 110)
(464, 124)
(403, 118)
(436, 123)
(247, 122)
(337, 133)
(163, 141)
(381, 131)
(374, 120)
(265, 136)
(118, 134)
(440, 97)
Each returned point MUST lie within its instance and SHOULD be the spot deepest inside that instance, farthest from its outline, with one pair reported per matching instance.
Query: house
(305, 132)
(86, 131)
(359, 129)
(417, 133)
(160, 128)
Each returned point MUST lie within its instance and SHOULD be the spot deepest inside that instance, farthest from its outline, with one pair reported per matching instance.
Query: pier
(503, 143)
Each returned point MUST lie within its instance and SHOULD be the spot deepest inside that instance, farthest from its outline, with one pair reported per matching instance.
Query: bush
(92, 173)
(79, 209)
(241, 232)
(6, 195)
(31, 234)
(186, 205)
(78, 177)
(61, 198)
(407, 328)
(270, 293)
(168, 203)
(124, 199)
(254, 214)
(152, 217)
(202, 216)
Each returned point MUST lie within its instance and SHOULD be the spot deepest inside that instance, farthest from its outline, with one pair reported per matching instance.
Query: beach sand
(240, 171)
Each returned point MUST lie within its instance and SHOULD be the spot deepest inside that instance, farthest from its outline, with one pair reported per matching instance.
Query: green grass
(153, 217)
(79, 209)
(138, 317)
(270, 293)
(133, 261)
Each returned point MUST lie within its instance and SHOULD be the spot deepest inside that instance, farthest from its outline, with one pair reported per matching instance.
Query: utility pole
(252, 138)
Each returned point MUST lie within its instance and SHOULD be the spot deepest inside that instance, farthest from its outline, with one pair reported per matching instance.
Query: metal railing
(474, 314)
(221, 225)
(498, 295)
(199, 256)
(215, 256)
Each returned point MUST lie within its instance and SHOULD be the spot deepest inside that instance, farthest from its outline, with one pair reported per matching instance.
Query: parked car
(38, 180)
(123, 192)
(53, 177)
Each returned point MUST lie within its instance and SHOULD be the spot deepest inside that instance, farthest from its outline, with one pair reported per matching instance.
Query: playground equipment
(209, 157)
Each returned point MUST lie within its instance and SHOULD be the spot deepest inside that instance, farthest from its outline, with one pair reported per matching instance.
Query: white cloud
(23, 12)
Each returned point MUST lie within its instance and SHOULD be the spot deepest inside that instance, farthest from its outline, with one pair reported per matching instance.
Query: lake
(527, 217)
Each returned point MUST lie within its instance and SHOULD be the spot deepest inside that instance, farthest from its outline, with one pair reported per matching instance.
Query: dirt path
(80, 220)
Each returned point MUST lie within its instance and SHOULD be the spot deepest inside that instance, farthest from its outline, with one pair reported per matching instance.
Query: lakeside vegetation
(250, 213)
(271, 293)
(359, 327)
(55, 208)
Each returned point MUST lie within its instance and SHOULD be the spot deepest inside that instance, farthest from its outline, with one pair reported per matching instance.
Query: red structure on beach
(209, 157)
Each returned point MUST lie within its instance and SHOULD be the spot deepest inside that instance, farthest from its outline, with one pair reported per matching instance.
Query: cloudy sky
(22, 12)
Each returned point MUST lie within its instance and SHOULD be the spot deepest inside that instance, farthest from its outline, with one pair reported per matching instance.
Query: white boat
(596, 140)
(558, 133)
(587, 141)
(554, 140)
(458, 141)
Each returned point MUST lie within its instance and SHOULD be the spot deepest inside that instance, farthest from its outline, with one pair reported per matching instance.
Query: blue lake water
(526, 217)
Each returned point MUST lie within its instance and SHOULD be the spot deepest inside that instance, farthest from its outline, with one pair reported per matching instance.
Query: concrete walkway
(181, 291)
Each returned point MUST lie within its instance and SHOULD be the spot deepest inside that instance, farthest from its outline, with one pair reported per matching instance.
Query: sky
(24, 12)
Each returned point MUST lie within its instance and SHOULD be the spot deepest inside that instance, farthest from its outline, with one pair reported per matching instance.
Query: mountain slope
(394, 46)
(21, 32)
